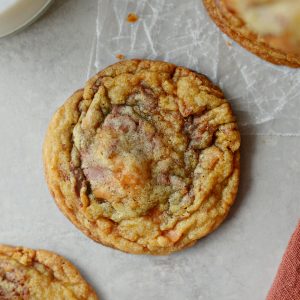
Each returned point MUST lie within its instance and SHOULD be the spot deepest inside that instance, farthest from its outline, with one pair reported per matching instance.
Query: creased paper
(265, 97)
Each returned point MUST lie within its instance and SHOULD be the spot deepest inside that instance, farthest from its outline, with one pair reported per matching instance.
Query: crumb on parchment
(132, 18)
(229, 44)
(120, 56)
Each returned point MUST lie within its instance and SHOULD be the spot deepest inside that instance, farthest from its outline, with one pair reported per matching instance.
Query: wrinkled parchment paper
(265, 97)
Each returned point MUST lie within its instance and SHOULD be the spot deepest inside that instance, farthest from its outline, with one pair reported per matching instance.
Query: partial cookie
(146, 158)
(244, 24)
(276, 21)
(41, 275)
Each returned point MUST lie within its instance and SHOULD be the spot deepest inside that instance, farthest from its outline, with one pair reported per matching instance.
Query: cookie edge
(261, 50)
(53, 260)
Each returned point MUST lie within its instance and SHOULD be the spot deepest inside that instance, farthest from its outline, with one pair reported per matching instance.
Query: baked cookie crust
(41, 275)
(145, 159)
(232, 25)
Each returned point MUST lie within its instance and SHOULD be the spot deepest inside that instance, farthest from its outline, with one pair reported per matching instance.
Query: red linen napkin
(286, 285)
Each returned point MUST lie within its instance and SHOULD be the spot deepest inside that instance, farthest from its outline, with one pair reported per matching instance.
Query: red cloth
(286, 285)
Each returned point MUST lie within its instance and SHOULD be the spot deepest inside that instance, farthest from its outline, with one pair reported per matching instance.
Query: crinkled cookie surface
(145, 159)
(39, 275)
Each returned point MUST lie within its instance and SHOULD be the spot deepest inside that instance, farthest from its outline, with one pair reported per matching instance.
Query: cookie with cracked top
(39, 274)
(269, 29)
(145, 159)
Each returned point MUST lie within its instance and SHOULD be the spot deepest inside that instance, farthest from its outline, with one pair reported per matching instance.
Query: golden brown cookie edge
(251, 43)
(53, 261)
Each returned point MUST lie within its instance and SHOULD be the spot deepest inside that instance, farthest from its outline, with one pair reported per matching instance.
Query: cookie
(276, 21)
(39, 274)
(145, 159)
(269, 47)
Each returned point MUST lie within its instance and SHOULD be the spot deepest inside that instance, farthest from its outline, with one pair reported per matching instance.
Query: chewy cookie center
(130, 164)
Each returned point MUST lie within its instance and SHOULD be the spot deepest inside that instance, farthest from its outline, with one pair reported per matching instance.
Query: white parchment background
(43, 65)
(266, 98)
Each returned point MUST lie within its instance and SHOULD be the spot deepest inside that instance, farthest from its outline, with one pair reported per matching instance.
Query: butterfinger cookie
(268, 29)
(39, 275)
(145, 159)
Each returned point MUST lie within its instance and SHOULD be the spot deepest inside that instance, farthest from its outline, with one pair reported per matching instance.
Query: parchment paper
(265, 97)
(43, 65)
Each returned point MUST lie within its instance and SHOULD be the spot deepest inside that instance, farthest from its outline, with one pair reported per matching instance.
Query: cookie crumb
(132, 18)
(120, 56)
(229, 44)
